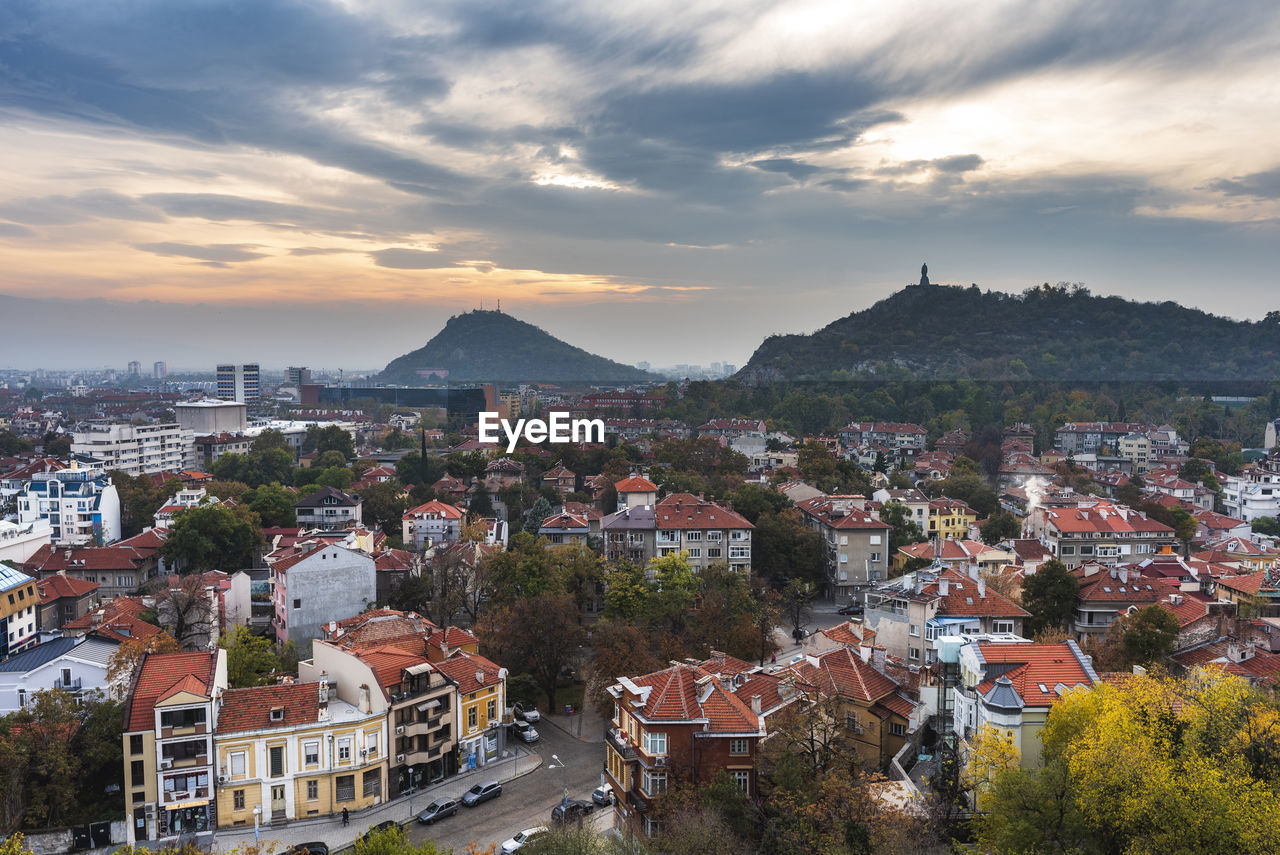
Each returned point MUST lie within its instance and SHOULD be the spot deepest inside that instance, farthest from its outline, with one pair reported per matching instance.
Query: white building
(211, 416)
(80, 504)
(74, 664)
(1255, 493)
(138, 449)
(20, 542)
(238, 382)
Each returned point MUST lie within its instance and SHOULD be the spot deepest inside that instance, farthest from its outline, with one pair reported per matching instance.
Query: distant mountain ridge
(939, 332)
(493, 346)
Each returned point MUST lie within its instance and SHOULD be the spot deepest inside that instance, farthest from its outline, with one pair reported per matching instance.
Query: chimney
(944, 586)
(755, 704)
(1124, 576)
(333, 628)
(1175, 599)
(479, 676)
(982, 588)
(878, 657)
(1233, 652)
(1115, 574)
(973, 572)
(364, 705)
(864, 650)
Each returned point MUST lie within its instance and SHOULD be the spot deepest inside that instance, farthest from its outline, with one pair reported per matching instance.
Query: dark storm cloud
(219, 254)
(1263, 185)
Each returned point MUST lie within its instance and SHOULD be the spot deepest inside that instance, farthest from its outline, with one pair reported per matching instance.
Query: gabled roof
(433, 510)
(250, 708)
(42, 654)
(387, 662)
(58, 586)
(317, 499)
(636, 484)
(565, 521)
(842, 672)
(462, 668)
(686, 511)
(686, 693)
(190, 684)
(119, 619)
(963, 599)
(841, 512)
(384, 627)
(1029, 667)
(156, 675)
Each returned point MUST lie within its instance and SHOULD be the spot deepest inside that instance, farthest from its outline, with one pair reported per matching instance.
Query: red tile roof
(687, 693)
(1103, 518)
(842, 672)
(685, 511)
(636, 484)
(841, 512)
(118, 619)
(433, 510)
(963, 599)
(250, 709)
(156, 675)
(387, 662)
(1036, 665)
(461, 667)
(56, 587)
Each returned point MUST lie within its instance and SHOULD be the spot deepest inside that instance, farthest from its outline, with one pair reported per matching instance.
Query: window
(344, 751)
(913, 653)
(844, 558)
(1067, 550)
(473, 718)
(345, 788)
(238, 799)
(875, 556)
(915, 630)
(655, 743)
(135, 743)
(714, 552)
(695, 552)
(652, 827)
(237, 765)
(875, 540)
(311, 753)
(693, 535)
(137, 772)
(1002, 626)
(276, 757)
(371, 743)
(715, 536)
(654, 783)
(738, 746)
(844, 540)
(739, 551)
(313, 790)
(897, 729)
(373, 783)
(743, 780)
(297, 604)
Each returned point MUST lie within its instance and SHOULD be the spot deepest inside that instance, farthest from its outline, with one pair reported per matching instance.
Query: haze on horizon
(665, 181)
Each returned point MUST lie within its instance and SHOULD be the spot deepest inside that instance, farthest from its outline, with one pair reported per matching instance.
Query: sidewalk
(586, 725)
(330, 831)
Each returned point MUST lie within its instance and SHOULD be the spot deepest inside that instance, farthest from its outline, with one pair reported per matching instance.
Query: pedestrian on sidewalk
(346, 817)
(773, 658)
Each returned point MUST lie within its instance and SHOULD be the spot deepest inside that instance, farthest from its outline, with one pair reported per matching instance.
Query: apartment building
(479, 706)
(630, 534)
(708, 533)
(684, 724)
(1102, 532)
(315, 582)
(1255, 492)
(138, 449)
(238, 383)
(434, 523)
(169, 721)
(329, 509)
(296, 751)
(856, 542)
(902, 440)
(80, 504)
(18, 605)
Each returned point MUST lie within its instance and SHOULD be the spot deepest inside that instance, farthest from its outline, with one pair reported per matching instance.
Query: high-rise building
(297, 376)
(159, 371)
(135, 368)
(137, 449)
(238, 382)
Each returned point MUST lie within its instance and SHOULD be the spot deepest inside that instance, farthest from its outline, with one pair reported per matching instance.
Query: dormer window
(277, 713)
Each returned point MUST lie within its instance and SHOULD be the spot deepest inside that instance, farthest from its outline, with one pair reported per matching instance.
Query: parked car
(512, 844)
(853, 609)
(526, 712)
(438, 809)
(481, 793)
(526, 731)
(603, 795)
(573, 810)
(309, 849)
(386, 823)
(799, 634)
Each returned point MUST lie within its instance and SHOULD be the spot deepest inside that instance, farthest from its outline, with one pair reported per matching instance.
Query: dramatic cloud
(726, 170)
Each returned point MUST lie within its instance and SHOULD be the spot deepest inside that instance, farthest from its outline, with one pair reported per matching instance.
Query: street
(525, 802)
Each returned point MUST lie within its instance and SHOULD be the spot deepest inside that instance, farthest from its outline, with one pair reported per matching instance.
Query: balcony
(73, 685)
(173, 796)
(617, 739)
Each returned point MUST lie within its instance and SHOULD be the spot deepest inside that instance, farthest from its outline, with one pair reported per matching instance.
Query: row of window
(344, 789)
(310, 756)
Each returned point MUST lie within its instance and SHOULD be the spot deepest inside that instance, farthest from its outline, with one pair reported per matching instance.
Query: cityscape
(589, 429)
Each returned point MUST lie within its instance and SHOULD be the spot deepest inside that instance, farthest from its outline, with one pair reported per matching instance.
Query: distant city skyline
(663, 182)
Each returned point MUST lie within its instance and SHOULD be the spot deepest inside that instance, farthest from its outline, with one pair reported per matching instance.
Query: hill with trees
(1052, 332)
(494, 346)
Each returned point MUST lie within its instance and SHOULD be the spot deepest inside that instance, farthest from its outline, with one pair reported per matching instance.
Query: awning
(428, 705)
(421, 668)
(185, 805)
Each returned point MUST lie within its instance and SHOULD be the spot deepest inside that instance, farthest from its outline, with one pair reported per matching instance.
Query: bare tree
(187, 606)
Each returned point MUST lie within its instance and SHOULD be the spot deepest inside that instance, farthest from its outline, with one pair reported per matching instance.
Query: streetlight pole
(413, 783)
(564, 778)
(257, 812)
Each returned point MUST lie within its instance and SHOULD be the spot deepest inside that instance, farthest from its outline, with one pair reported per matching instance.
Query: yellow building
(295, 751)
(480, 707)
(950, 518)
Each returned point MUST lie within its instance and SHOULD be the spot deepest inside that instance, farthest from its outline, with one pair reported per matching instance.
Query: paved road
(526, 801)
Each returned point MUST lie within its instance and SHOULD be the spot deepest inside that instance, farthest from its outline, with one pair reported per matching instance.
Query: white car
(527, 713)
(526, 732)
(514, 843)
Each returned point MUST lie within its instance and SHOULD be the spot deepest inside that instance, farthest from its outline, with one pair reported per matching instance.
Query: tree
(796, 599)
(213, 537)
(1032, 810)
(251, 659)
(903, 530)
(541, 632)
(1000, 526)
(621, 648)
(481, 503)
(1049, 595)
(187, 608)
(383, 505)
(1266, 525)
(1184, 527)
(393, 840)
(990, 755)
(330, 459)
(784, 548)
(329, 438)
(270, 439)
(273, 504)
(1150, 634)
(537, 514)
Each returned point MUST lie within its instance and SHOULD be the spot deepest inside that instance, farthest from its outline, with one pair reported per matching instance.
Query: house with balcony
(561, 479)
(910, 612)
(855, 542)
(565, 528)
(678, 724)
(956, 554)
(117, 570)
(80, 504)
(296, 751)
(706, 532)
(949, 518)
(69, 664)
(19, 602)
(1102, 531)
(630, 534)
(1011, 684)
(421, 701)
(1108, 593)
(434, 523)
(329, 509)
(636, 491)
(169, 721)
(1254, 492)
(479, 707)
(901, 441)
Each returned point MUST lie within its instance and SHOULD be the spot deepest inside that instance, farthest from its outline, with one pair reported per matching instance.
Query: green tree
(903, 530)
(273, 504)
(251, 659)
(329, 438)
(1150, 634)
(383, 505)
(330, 459)
(797, 599)
(541, 632)
(270, 439)
(393, 841)
(537, 514)
(998, 527)
(1049, 595)
(1266, 525)
(784, 548)
(213, 537)
(752, 501)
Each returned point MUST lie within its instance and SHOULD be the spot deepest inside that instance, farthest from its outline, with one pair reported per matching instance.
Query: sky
(325, 183)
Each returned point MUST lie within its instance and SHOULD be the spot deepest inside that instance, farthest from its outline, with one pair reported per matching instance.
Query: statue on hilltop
(924, 274)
